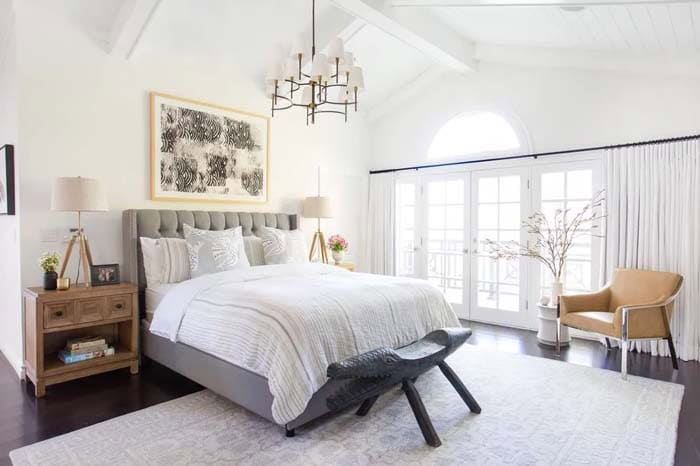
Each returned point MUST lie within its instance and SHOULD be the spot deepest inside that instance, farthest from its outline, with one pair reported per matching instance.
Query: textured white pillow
(165, 260)
(254, 250)
(212, 251)
(283, 246)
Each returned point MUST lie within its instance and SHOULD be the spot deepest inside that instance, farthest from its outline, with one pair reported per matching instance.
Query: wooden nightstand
(52, 317)
(346, 266)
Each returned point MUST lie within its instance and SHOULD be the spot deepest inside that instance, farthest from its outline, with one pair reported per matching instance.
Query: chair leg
(625, 348)
(672, 350)
(366, 406)
(424, 422)
(459, 387)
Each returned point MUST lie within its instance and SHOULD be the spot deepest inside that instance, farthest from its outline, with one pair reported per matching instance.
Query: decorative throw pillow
(165, 260)
(283, 246)
(214, 251)
(254, 250)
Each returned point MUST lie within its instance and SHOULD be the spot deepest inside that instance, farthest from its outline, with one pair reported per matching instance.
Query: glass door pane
(445, 236)
(499, 204)
(568, 187)
(407, 237)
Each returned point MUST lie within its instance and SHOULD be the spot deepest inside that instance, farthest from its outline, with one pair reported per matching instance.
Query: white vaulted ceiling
(403, 45)
(637, 28)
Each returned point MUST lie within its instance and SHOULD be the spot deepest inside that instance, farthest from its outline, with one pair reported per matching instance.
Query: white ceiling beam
(526, 3)
(422, 32)
(129, 25)
(405, 93)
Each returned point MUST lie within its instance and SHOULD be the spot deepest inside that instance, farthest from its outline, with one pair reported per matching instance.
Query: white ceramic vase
(557, 290)
(338, 257)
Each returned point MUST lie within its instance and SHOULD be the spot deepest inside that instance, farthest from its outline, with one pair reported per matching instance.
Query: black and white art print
(203, 152)
(7, 180)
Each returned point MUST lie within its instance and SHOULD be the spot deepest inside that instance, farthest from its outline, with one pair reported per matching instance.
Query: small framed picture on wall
(107, 274)
(7, 180)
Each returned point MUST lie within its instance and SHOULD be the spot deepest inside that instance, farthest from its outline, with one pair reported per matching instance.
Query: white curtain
(380, 223)
(653, 208)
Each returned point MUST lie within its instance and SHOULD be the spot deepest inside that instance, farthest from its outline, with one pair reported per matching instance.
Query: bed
(325, 312)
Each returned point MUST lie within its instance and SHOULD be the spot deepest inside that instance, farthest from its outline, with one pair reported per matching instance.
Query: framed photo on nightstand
(107, 274)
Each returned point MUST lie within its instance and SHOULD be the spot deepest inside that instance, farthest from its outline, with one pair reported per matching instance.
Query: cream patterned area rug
(534, 411)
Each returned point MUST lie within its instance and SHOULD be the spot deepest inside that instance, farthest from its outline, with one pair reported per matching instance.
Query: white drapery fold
(653, 222)
(380, 223)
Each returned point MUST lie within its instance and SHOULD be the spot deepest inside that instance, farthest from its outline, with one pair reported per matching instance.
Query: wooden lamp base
(319, 240)
(85, 255)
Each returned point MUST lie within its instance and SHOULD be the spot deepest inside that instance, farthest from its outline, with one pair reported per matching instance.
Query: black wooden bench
(373, 373)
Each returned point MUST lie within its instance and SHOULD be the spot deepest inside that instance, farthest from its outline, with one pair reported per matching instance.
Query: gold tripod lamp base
(81, 241)
(320, 241)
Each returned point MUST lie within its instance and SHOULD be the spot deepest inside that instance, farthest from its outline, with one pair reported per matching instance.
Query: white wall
(84, 112)
(560, 109)
(10, 295)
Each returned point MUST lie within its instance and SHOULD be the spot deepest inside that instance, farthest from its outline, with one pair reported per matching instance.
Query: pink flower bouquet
(337, 243)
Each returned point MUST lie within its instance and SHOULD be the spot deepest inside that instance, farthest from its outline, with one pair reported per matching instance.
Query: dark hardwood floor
(80, 403)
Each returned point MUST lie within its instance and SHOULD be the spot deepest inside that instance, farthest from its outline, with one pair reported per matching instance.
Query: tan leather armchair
(635, 305)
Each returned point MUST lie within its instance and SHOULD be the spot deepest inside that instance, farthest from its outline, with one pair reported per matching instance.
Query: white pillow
(165, 260)
(284, 246)
(254, 250)
(212, 251)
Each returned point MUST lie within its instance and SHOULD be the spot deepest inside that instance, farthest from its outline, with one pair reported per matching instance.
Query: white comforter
(289, 322)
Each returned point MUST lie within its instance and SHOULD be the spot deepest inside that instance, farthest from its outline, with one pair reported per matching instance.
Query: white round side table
(547, 333)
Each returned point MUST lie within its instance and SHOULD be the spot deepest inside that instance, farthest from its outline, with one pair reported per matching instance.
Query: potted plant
(338, 245)
(48, 262)
(552, 241)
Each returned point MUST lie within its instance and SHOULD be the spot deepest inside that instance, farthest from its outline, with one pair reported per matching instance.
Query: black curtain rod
(541, 154)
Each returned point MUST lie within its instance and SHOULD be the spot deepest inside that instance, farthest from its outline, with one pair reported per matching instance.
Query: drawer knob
(58, 313)
(119, 306)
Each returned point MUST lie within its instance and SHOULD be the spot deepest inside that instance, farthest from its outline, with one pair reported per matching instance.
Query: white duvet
(289, 322)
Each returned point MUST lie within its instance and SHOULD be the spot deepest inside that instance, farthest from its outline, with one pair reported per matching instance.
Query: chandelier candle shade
(331, 86)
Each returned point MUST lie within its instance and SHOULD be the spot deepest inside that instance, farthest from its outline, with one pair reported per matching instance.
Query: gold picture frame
(205, 162)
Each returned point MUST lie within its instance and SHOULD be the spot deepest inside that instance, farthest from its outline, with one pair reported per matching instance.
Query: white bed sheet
(154, 295)
(288, 322)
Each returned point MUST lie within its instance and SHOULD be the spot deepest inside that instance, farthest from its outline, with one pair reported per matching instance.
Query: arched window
(475, 133)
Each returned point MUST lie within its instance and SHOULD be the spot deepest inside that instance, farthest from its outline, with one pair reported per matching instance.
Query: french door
(442, 220)
(498, 287)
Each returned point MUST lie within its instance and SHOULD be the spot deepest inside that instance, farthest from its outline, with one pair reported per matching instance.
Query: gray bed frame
(239, 385)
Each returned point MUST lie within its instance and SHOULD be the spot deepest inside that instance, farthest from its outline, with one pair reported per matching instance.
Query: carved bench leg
(424, 422)
(367, 405)
(459, 387)
(289, 432)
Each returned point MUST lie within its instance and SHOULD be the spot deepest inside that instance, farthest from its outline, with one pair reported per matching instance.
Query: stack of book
(82, 349)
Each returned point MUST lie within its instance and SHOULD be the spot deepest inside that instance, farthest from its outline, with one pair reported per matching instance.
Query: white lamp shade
(291, 69)
(347, 62)
(356, 79)
(320, 71)
(342, 95)
(274, 73)
(336, 49)
(318, 207)
(297, 47)
(78, 195)
(306, 96)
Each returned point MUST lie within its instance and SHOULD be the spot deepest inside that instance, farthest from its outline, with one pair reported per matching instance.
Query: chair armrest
(598, 301)
(623, 313)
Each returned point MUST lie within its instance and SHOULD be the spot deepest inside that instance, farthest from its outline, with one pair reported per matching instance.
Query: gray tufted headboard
(168, 223)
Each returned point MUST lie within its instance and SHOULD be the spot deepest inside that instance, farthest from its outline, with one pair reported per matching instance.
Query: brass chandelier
(331, 86)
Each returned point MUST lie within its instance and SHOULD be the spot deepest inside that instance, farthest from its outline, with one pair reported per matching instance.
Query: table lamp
(77, 194)
(318, 207)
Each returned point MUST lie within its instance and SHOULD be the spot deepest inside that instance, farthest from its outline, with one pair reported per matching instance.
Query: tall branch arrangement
(552, 241)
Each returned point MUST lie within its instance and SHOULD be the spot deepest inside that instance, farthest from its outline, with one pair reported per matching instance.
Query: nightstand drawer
(119, 306)
(58, 314)
(90, 310)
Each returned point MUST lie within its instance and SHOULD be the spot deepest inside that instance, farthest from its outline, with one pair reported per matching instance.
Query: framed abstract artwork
(208, 153)
(7, 180)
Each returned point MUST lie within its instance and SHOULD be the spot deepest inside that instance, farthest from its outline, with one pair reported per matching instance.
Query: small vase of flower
(49, 262)
(338, 245)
